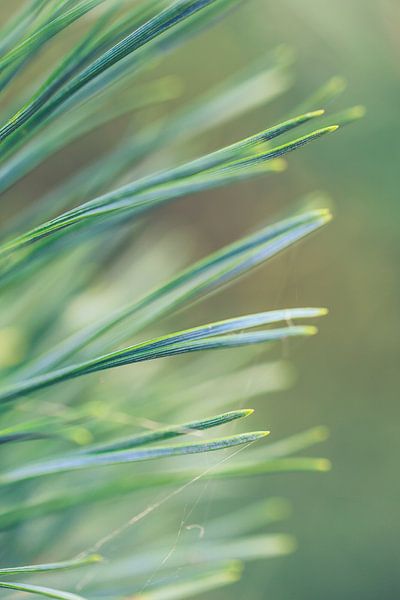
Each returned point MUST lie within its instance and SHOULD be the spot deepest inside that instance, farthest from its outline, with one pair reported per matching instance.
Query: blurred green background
(346, 521)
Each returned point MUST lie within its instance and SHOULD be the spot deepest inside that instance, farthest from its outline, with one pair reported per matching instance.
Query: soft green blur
(346, 521)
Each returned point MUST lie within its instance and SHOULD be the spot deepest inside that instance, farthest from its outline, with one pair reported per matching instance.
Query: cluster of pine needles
(60, 424)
